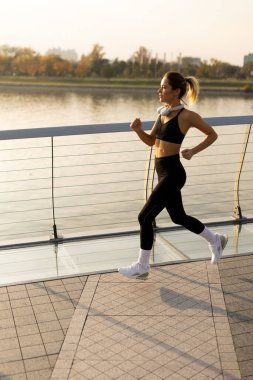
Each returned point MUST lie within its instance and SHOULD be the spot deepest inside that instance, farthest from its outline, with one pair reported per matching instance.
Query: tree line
(16, 61)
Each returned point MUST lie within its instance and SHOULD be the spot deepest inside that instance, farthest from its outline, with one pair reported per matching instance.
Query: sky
(219, 29)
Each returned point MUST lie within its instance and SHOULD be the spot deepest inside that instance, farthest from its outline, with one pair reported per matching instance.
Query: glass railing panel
(209, 190)
(25, 188)
(99, 182)
(195, 248)
(106, 254)
(246, 181)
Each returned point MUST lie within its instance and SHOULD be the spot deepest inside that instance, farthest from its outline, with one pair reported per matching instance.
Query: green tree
(247, 69)
(52, 65)
(25, 62)
(83, 67)
(118, 67)
(139, 62)
(107, 71)
(5, 65)
(97, 52)
(92, 63)
(203, 70)
(188, 67)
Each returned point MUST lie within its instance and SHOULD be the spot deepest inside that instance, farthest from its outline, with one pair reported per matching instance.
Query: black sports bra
(170, 130)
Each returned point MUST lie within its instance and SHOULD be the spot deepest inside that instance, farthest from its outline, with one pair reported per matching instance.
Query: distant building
(69, 55)
(248, 58)
(195, 61)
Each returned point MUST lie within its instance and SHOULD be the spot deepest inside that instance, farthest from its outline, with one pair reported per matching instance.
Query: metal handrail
(106, 128)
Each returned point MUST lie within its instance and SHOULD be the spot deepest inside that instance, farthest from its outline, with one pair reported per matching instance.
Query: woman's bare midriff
(165, 148)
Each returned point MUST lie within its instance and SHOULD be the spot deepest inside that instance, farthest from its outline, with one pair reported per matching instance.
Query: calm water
(26, 109)
(86, 196)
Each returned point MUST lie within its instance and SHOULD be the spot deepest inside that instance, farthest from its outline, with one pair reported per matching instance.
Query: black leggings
(166, 194)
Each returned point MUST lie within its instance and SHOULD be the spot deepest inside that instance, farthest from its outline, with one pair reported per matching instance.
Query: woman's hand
(136, 125)
(187, 153)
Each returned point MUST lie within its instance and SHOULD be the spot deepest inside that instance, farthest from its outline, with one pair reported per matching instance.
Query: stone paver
(32, 330)
(237, 283)
(187, 321)
(172, 326)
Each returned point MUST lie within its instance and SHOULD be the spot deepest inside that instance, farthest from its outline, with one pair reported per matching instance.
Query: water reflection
(51, 107)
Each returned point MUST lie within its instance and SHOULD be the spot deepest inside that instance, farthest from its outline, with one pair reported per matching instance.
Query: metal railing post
(237, 206)
(148, 171)
(55, 233)
(149, 177)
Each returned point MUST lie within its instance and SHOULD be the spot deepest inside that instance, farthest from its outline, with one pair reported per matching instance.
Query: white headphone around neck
(165, 111)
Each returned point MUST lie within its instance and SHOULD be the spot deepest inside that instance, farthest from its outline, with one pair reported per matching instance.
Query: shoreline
(73, 87)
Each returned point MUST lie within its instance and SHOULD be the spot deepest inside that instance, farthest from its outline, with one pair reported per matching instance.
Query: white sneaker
(135, 270)
(217, 248)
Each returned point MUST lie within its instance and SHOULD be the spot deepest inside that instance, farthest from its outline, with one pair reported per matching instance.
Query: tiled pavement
(172, 326)
(34, 319)
(237, 282)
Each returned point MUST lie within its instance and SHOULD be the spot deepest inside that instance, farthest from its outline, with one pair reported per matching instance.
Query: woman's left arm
(196, 121)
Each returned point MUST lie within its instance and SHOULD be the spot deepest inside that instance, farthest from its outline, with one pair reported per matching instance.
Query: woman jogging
(167, 135)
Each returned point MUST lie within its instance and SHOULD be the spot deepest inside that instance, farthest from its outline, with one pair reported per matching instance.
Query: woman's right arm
(147, 138)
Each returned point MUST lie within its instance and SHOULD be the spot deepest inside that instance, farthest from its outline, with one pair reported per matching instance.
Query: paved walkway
(172, 326)
(237, 283)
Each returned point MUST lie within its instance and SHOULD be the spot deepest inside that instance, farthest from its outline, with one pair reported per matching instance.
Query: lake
(42, 108)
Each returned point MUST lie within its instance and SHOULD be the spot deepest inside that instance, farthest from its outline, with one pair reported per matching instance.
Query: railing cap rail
(107, 128)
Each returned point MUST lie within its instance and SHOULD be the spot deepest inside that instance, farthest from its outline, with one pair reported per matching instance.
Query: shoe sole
(142, 276)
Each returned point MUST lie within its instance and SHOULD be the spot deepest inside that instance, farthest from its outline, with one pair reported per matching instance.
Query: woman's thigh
(158, 199)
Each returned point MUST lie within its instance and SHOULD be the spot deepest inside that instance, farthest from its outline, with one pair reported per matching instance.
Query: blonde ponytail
(193, 89)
